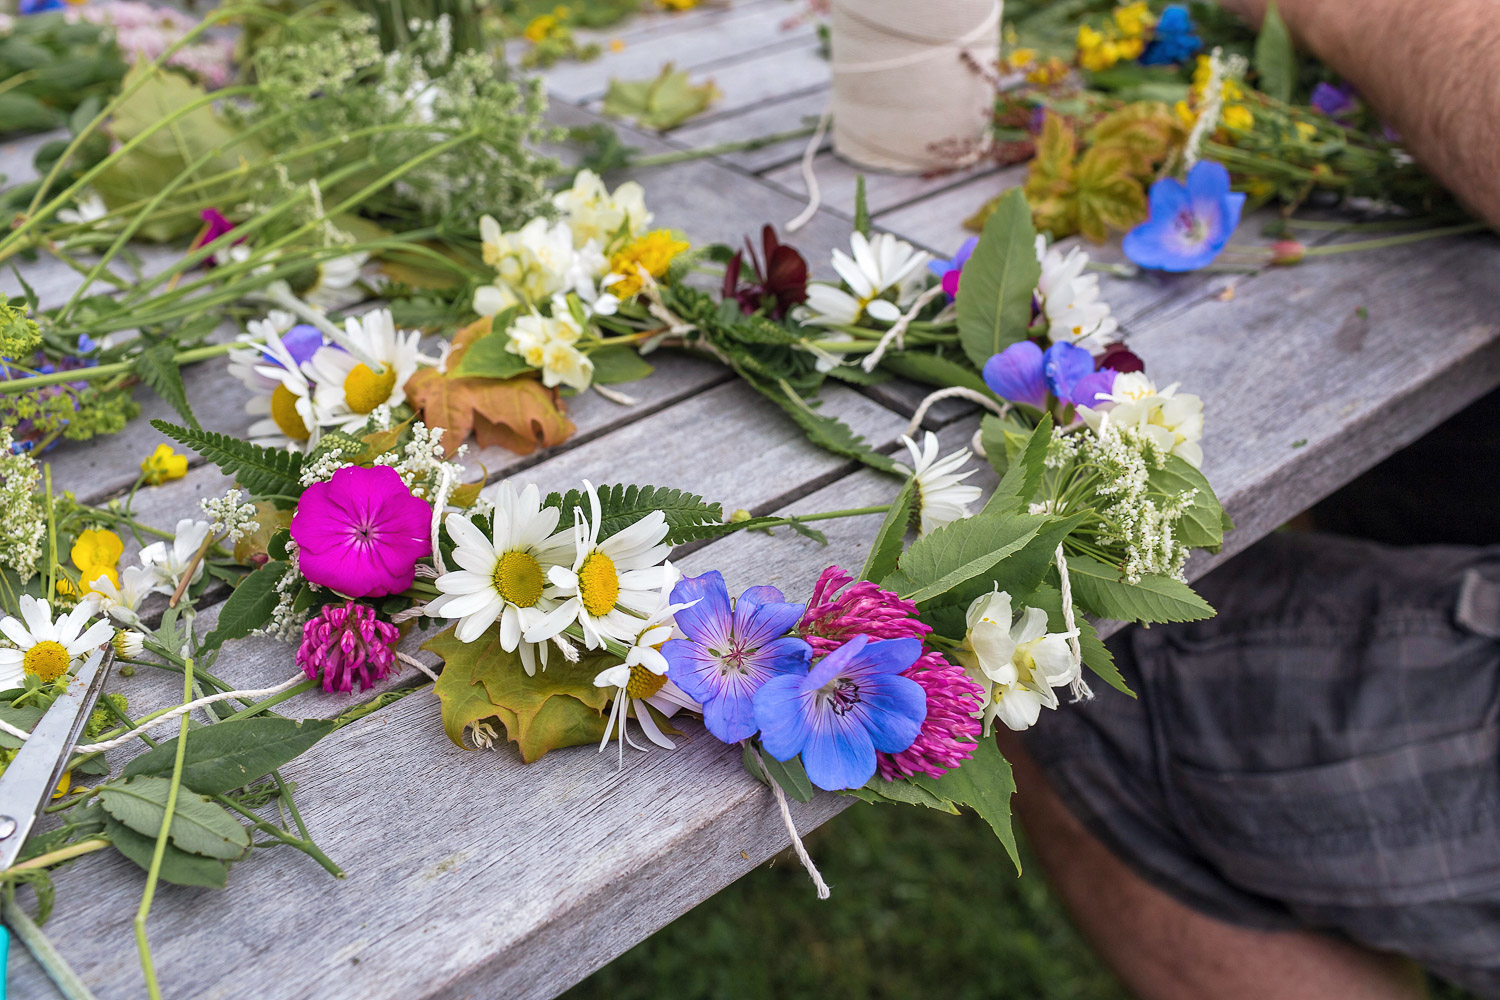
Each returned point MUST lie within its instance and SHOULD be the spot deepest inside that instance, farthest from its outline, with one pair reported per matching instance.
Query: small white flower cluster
(421, 463)
(286, 622)
(22, 525)
(231, 514)
(1069, 299)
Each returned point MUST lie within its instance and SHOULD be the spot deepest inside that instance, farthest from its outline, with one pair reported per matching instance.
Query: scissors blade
(38, 766)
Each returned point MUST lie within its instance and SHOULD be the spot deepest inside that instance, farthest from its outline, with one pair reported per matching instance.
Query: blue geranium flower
(1175, 40)
(1189, 223)
(38, 6)
(729, 651)
(852, 703)
(950, 271)
(1024, 373)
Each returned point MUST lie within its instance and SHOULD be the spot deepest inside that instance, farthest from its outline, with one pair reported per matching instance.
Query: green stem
(274, 700)
(48, 957)
(831, 514)
(735, 146)
(305, 846)
(148, 967)
(1395, 241)
(113, 368)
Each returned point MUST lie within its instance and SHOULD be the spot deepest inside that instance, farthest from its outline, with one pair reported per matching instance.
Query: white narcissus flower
(44, 648)
(1070, 300)
(1018, 663)
(612, 583)
(593, 214)
(547, 343)
(503, 577)
(167, 563)
(880, 265)
(1174, 422)
(346, 388)
(942, 497)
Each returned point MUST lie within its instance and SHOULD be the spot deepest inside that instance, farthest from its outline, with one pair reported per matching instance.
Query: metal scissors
(28, 782)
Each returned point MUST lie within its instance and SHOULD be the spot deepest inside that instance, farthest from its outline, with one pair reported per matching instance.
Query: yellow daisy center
(284, 412)
(364, 390)
(519, 578)
(643, 683)
(47, 660)
(598, 584)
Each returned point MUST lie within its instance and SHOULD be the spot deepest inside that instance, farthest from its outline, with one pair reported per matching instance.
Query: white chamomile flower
(44, 648)
(128, 644)
(1070, 299)
(504, 577)
(167, 563)
(336, 284)
(593, 214)
(1019, 664)
(347, 389)
(641, 680)
(89, 208)
(280, 393)
(612, 583)
(123, 602)
(880, 265)
(1174, 422)
(941, 496)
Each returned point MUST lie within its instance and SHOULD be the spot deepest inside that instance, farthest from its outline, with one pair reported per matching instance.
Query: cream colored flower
(547, 343)
(1174, 422)
(1018, 663)
(593, 214)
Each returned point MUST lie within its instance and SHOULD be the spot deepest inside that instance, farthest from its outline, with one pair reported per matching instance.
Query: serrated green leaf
(1100, 591)
(881, 792)
(230, 755)
(617, 364)
(932, 369)
(198, 825)
(1019, 480)
(1202, 524)
(994, 300)
(958, 552)
(157, 367)
(985, 785)
(249, 606)
(822, 430)
(885, 550)
(262, 471)
(177, 866)
(1275, 59)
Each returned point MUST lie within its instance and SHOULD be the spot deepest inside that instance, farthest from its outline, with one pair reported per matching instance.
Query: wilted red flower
(784, 279)
(1119, 357)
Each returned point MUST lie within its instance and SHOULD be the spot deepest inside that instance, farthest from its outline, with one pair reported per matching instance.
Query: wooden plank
(883, 191)
(769, 118)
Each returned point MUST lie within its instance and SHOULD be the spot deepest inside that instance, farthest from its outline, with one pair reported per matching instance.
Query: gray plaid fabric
(1325, 753)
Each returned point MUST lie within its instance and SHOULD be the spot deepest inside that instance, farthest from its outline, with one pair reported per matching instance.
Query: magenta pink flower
(346, 641)
(950, 731)
(362, 532)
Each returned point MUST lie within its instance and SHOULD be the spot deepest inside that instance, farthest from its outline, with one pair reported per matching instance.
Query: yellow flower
(617, 45)
(677, 4)
(1185, 114)
(163, 465)
(1306, 130)
(66, 782)
(652, 253)
(1202, 69)
(1134, 19)
(1052, 71)
(96, 548)
(540, 27)
(1021, 58)
(1237, 116)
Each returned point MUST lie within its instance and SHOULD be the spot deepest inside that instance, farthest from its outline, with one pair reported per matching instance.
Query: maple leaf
(1146, 130)
(558, 707)
(1108, 194)
(1051, 188)
(518, 413)
(663, 102)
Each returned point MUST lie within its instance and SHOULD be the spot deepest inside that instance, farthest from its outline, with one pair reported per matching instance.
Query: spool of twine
(909, 94)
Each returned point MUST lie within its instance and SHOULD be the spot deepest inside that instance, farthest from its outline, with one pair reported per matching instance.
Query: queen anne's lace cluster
(231, 515)
(21, 523)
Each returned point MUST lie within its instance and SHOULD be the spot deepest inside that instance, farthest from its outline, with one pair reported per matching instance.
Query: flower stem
(735, 146)
(71, 851)
(1395, 241)
(275, 699)
(113, 368)
(52, 963)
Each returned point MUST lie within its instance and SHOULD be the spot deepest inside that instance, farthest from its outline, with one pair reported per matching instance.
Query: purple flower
(1175, 40)
(730, 652)
(951, 270)
(1334, 99)
(301, 342)
(1189, 223)
(214, 226)
(852, 703)
(1024, 373)
(27, 7)
(346, 642)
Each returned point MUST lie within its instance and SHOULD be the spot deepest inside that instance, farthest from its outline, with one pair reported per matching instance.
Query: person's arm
(1431, 68)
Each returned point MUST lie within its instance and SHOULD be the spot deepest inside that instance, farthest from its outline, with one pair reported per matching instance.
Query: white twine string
(791, 828)
(445, 483)
(809, 175)
(1080, 687)
(416, 663)
(615, 396)
(897, 332)
(960, 392)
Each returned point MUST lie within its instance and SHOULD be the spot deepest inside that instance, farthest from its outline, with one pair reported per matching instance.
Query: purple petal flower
(951, 270)
(1334, 100)
(1016, 374)
(852, 703)
(302, 342)
(1175, 39)
(1088, 389)
(1189, 223)
(730, 651)
(1064, 366)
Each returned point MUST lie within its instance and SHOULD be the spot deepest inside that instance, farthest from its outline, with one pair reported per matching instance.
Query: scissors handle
(39, 765)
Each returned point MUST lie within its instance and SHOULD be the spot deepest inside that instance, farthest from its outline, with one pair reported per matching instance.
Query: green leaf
(689, 516)
(488, 357)
(933, 369)
(177, 866)
(1202, 525)
(958, 552)
(1275, 59)
(260, 470)
(230, 755)
(23, 717)
(618, 364)
(822, 430)
(249, 606)
(995, 307)
(663, 102)
(198, 825)
(1100, 591)
(861, 207)
(885, 550)
(790, 775)
(985, 785)
(1019, 480)
(881, 792)
(157, 367)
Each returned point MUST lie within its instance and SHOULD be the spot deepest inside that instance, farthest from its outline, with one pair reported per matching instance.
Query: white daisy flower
(281, 394)
(941, 496)
(612, 583)
(641, 680)
(128, 644)
(347, 389)
(167, 563)
(45, 648)
(336, 284)
(1019, 664)
(504, 577)
(1173, 421)
(880, 265)
(1070, 300)
(123, 602)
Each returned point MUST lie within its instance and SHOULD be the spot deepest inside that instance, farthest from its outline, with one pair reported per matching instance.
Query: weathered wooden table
(471, 875)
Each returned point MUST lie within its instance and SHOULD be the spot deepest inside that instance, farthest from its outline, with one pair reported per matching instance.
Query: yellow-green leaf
(664, 102)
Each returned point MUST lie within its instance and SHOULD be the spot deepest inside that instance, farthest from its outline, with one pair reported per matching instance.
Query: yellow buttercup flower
(1134, 19)
(163, 465)
(652, 253)
(539, 28)
(677, 4)
(96, 548)
(1021, 58)
(1052, 71)
(1237, 116)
